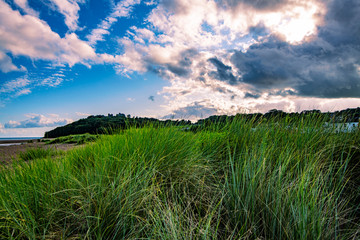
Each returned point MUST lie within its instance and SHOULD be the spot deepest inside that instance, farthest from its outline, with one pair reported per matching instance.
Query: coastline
(11, 148)
(3, 141)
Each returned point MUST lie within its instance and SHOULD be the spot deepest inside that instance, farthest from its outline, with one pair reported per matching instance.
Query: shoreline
(18, 140)
(10, 152)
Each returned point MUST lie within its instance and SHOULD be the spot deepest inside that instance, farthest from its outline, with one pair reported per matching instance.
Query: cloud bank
(38, 121)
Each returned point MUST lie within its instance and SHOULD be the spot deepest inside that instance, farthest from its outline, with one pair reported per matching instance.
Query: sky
(62, 60)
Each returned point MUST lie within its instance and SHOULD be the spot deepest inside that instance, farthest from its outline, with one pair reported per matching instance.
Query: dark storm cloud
(327, 66)
(267, 65)
(223, 72)
(341, 81)
(178, 70)
(283, 93)
(186, 56)
(342, 20)
(182, 67)
(258, 31)
(251, 95)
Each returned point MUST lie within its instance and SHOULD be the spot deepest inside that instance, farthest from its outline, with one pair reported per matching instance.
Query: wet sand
(9, 153)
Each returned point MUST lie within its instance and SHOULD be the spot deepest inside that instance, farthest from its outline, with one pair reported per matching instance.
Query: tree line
(101, 124)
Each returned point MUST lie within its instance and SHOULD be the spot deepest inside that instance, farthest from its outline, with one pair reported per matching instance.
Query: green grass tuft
(38, 153)
(78, 139)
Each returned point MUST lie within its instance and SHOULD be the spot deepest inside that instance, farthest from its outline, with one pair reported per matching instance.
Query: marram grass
(37, 153)
(239, 180)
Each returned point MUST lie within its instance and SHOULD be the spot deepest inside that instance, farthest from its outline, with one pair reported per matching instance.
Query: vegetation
(78, 139)
(103, 124)
(38, 153)
(274, 115)
(244, 179)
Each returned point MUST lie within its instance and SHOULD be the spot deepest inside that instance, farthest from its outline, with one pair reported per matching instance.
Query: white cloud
(132, 59)
(14, 85)
(122, 9)
(70, 9)
(14, 89)
(80, 114)
(6, 64)
(26, 35)
(150, 3)
(29, 36)
(22, 92)
(37, 121)
(24, 5)
(76, 50)
(51, 81)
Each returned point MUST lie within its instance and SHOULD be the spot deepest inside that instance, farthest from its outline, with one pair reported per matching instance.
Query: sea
(18, 138)
(15, 139)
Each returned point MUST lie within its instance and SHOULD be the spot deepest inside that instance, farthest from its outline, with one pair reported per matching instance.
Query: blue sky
(62, 60)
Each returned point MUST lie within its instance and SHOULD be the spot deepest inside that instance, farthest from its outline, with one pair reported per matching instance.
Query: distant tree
(274, 113)
(309, 112)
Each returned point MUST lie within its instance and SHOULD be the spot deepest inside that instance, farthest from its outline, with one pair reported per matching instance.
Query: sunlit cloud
(295, 22)
(26, 35)
(70, 9)
(6, 64)
(24, 5)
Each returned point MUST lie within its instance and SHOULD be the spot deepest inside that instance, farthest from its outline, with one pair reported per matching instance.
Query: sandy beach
(9, 149)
